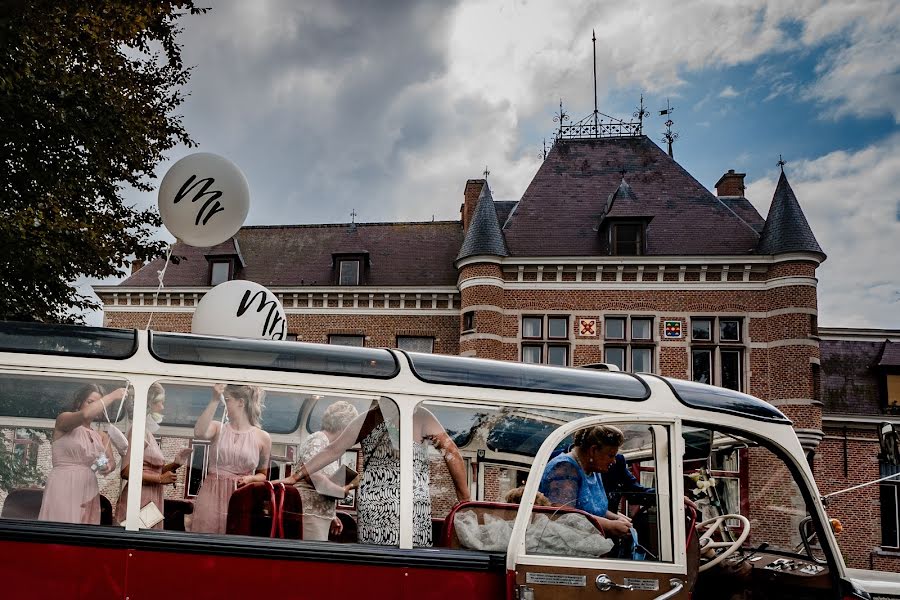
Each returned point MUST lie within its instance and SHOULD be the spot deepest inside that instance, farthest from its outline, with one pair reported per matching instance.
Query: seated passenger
(378, 502)
(238, 455)
(571, 478)
(79, 454)
(318, 509)
(157, 472)
(619, 482)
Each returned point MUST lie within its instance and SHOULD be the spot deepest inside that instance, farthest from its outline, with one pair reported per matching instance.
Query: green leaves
(87, 102)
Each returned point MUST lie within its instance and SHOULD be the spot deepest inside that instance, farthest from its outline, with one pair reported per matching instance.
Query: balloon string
(160, 275)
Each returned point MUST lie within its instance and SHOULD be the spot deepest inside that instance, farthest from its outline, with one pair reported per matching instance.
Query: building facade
(614, 254)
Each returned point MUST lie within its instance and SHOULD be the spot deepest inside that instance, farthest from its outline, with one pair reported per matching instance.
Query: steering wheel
(727, 548)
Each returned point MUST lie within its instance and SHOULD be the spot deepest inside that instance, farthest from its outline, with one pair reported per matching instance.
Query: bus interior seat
(106, 511)
(174, 512)
(349, 533)
(252, 510)
(437, 531)
(25, 503)
(290, 512)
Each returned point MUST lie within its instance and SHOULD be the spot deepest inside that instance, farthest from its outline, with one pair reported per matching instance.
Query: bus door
(560, 552)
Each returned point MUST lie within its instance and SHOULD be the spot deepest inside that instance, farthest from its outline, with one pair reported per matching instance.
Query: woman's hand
(246, 480)
(167, 478)
(218, 391)
(615, 527)
(336, 526)
(182, 456)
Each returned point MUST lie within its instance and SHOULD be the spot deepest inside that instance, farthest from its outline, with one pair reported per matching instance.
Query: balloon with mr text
(241, 309)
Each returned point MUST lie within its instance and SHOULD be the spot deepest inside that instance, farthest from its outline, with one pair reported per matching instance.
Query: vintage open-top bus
(728, 507)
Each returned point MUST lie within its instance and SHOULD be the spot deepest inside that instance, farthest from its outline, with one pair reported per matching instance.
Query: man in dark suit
(619, 482)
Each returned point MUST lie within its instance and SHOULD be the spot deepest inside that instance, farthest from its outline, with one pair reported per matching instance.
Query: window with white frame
(220, 271)
(415, 343)
(717, 351)
(347, 340)
(545, 339)
(629, 342)
(890, 515)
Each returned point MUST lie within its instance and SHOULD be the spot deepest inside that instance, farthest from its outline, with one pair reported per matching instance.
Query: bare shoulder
(263, 437)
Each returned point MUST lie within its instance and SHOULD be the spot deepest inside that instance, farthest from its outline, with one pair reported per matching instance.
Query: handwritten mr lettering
(274, 324)
(206, 182)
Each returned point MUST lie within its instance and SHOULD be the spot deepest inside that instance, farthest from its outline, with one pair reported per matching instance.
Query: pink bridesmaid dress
(72, 494)
(232, 455)
(154, 461)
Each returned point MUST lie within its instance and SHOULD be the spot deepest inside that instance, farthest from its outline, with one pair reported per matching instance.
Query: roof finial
(669, 136)
(353, 216)
(781, 163)
(560, 118)
(596, 112)
(544, 153)
(640, 113)
(486, 172)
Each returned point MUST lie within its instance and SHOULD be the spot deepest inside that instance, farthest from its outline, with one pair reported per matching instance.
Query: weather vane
(781, 163)
(669, 136)
(640, 113)
(353, 216)
(486, 172)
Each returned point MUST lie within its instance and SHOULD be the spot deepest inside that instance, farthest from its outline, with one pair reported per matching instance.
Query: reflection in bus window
(238, 455)
(497, 445)
(589, 484)
(60, 462)
(158, 471)
(378, 501)
(320, 494)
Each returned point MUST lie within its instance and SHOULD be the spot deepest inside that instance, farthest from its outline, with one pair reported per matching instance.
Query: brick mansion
(615, 254)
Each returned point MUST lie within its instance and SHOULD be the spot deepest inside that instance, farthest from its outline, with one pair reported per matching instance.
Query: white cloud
(849, 199)
(728, 92)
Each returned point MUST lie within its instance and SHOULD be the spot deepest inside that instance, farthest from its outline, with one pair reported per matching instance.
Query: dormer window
(350, 267)
(220, 271)
(627, 239)
(349, 272)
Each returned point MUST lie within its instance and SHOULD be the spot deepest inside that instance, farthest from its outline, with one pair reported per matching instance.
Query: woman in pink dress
(238, 455)
(157, 472)
(79, 453)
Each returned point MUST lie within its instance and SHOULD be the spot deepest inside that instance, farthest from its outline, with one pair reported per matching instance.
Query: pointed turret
(483, 237)
(786, 228)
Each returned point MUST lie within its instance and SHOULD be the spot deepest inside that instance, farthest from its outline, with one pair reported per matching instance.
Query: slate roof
(786, 228)
(849, 377)
(623, 203)
(890, 357)
(400, 254)
(483, 236)
(560, 212)
(744, 209)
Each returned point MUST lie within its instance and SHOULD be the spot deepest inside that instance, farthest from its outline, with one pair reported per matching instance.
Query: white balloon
(241, 309)
(204, 199)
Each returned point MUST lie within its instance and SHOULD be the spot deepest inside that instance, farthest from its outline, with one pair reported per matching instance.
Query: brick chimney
(473, 191)
(730, 184)
(136, 266)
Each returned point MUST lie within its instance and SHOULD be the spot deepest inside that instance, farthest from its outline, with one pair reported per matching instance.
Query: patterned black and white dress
(378, 505)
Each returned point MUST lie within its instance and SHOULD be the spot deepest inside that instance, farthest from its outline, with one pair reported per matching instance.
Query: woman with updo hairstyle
(79, 454)
(318, 509)
(573, 478)
(238, 455)
(156, 472)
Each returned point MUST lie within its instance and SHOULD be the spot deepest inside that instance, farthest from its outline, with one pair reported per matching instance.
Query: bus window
(599, 508)
(352, 462)
(61, 447)
(496, 446)
(753, 508)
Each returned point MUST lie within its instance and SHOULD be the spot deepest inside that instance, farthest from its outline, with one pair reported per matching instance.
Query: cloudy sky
(388, 107)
